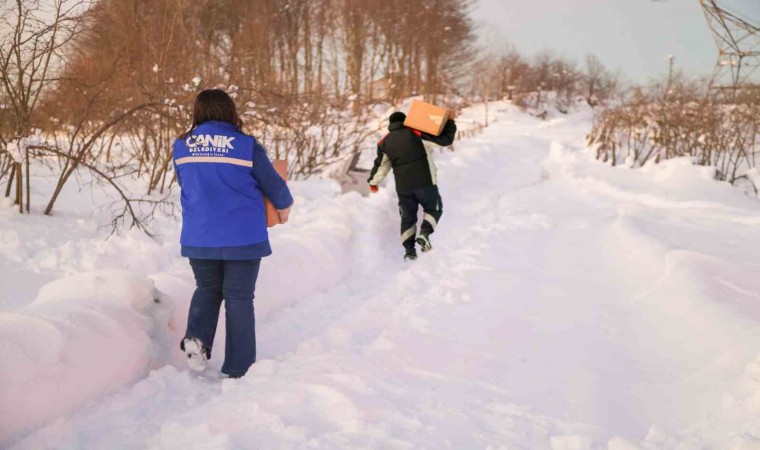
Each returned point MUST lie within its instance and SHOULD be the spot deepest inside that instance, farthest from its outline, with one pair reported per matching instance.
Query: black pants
(408, 204)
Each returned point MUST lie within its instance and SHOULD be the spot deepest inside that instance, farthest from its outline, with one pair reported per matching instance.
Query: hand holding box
(273, 216)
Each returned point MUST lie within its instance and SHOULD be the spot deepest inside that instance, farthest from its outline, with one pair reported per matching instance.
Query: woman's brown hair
(214, 104)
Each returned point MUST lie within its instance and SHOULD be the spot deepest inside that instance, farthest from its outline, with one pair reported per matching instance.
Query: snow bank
(568, 305)
(330, 238)
(91, 333)
(685, 246)
(36, 249)
(84, 336)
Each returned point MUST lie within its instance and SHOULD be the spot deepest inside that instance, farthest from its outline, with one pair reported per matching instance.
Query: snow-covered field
(567, 305)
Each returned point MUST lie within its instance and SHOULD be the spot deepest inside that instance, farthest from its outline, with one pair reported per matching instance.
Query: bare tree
(79, 143)
(598, 83)
(31, 50)
(300, 71)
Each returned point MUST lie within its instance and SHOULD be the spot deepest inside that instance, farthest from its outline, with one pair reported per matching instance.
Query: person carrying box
(409, 152)
(222, 173)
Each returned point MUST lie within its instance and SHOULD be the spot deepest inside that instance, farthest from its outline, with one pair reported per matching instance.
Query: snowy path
(567, 305)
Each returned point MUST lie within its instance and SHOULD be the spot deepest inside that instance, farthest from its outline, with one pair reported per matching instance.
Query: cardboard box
(426, 117)
(281, 166)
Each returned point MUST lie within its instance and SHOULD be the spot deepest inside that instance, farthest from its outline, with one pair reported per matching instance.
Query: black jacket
(403, 150)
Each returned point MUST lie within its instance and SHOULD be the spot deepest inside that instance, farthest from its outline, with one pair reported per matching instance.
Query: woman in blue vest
(223, 173)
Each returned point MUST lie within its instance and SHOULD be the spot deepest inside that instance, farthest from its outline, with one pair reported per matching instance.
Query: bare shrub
(108, 83)
(34, 35)
(682, 120)
(545, 80)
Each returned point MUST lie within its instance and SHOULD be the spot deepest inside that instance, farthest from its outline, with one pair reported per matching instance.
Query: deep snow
(567, 305)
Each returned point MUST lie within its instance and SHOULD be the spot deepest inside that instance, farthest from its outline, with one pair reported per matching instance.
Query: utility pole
(738, 42)
(669, 86)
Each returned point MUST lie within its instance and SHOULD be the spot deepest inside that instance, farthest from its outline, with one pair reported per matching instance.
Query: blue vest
(223, 215)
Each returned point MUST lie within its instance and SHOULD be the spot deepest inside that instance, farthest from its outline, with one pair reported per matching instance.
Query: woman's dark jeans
(235, 282)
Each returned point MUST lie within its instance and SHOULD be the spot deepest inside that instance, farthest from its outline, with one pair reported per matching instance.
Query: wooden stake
(28, 182)
(10, 181)
(19, 188)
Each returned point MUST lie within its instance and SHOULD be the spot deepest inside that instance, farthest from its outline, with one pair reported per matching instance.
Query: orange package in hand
(281, 166)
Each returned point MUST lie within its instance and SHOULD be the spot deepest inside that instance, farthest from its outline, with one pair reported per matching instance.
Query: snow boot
(197, 354)
(424, 242)
(410, 255)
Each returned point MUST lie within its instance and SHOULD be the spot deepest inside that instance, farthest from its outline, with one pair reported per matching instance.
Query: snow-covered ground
(567, 305)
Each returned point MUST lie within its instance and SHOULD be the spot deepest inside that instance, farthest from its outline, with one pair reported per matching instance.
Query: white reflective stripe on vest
(214, 159)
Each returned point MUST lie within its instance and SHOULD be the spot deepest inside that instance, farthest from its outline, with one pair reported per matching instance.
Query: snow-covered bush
(83, 337)
(653, 125)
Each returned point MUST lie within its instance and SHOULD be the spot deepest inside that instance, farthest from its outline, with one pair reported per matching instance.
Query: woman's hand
(284, 214)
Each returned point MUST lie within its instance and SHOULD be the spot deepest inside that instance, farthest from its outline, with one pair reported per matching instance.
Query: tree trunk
(59, 187)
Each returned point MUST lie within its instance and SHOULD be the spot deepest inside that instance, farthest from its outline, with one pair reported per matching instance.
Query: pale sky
(635, 36)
